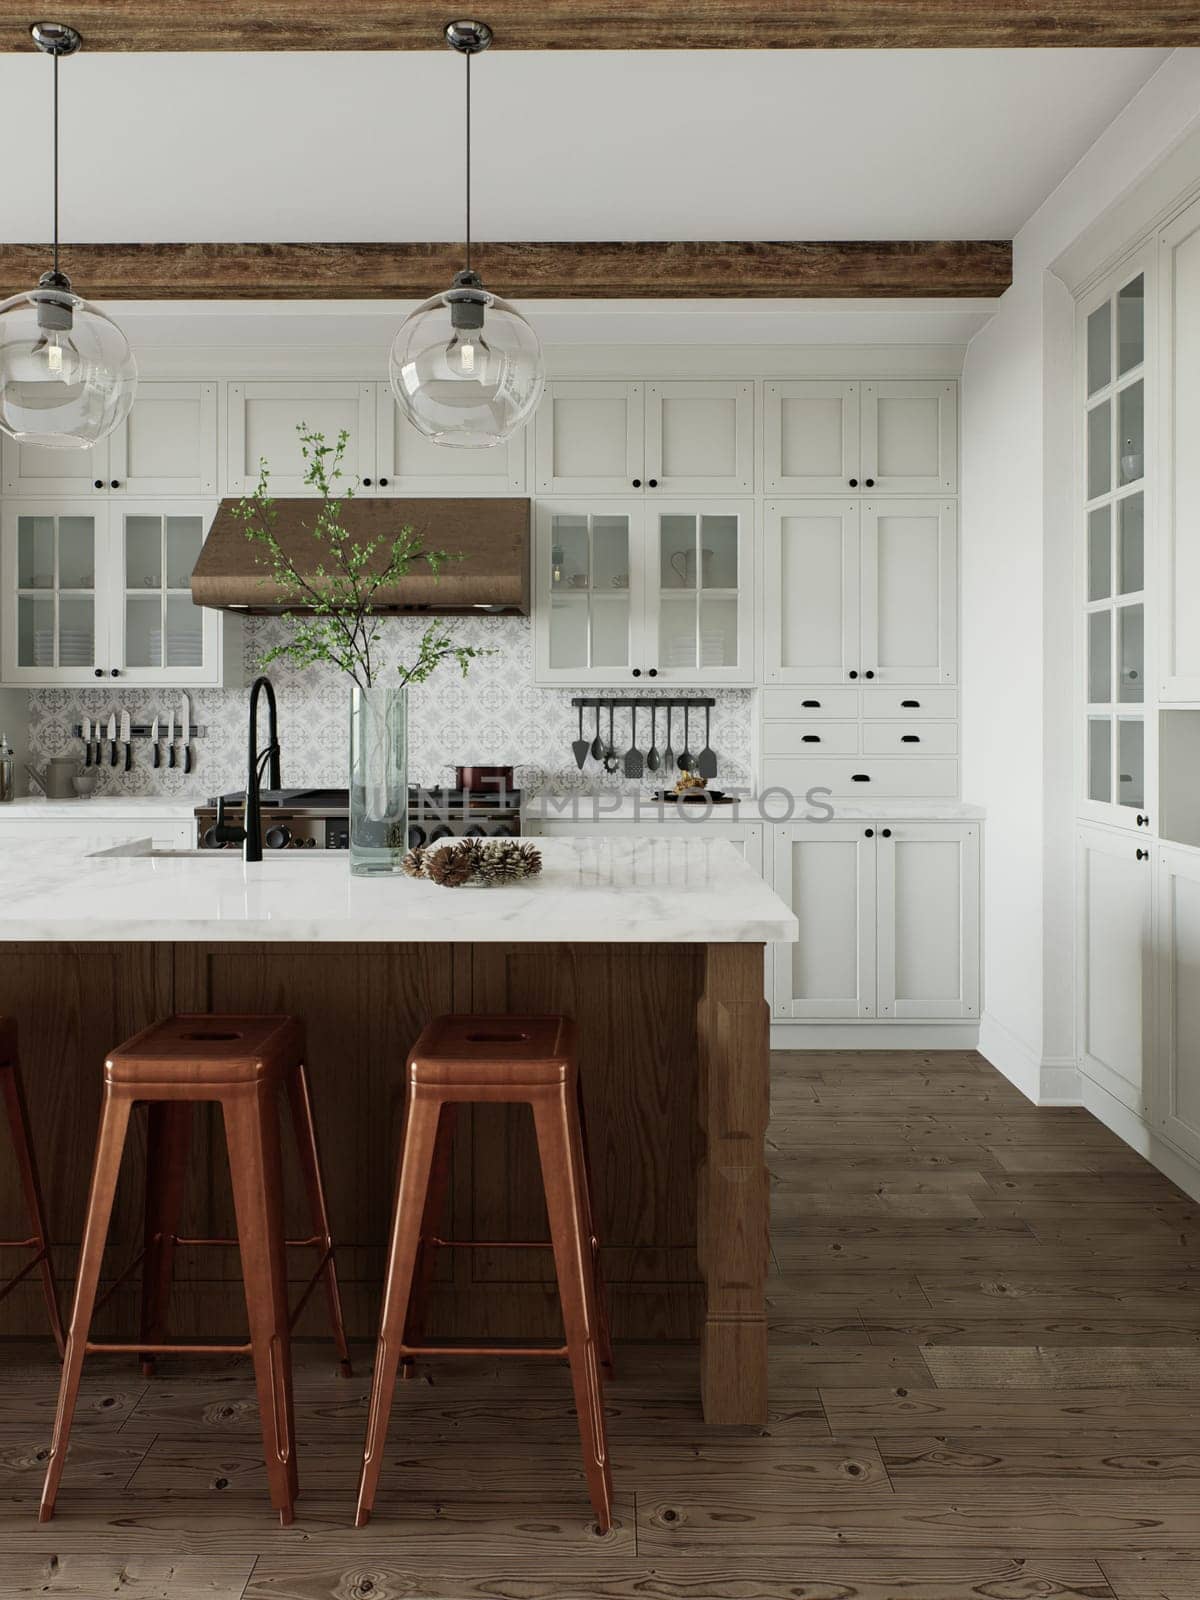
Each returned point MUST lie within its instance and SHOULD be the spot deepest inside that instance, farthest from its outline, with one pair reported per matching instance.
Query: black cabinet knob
(114, 673)
(854, 483)
(637, 672)
(852, 674)
(383, 483)
(886, 832)
(869, 673)
(1143, 822)
(652, 483)
(869, 834)
(98, 484)
(869, 482)
(115, 484)
(653, 673)
(637, 483)
(366, 483)
(99, 672)
(1143, 855)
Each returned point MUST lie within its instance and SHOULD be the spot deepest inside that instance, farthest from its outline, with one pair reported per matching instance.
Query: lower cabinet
(889, 920)
(1114, 899)
(1174, 1087)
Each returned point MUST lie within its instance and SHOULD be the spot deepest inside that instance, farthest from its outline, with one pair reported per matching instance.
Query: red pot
(484, 780)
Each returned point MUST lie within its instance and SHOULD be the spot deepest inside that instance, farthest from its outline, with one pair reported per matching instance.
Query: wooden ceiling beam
(618, 24)
(622, 270)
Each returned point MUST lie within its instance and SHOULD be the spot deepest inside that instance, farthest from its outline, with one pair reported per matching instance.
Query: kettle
(55, 782)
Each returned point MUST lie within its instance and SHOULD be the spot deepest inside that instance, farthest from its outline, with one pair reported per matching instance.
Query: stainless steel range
(319, 819)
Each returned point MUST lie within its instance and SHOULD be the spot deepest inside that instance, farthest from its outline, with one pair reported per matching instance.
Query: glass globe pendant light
(466, 368)
(67, 374)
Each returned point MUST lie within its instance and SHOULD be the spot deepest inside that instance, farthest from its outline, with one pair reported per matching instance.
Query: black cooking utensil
(597, 742)
(652, 758)
(668, 759)
(610, 754)
(686, 759)
(634, 765)
(580, 747)
(706, 761)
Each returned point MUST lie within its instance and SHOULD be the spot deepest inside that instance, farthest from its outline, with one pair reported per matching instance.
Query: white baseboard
(874, 1036)
(1050, 1081)
(1128, 1125)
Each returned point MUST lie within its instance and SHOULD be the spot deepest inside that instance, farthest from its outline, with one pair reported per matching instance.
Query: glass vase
(378, 780)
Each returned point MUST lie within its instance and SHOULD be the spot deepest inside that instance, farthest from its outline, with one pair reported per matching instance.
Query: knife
(186, 735)
(126, 740)
(112, 739)
(86, 730)
(154, 741)
(171, 739)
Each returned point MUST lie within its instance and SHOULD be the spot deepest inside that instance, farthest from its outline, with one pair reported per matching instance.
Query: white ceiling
(707, 145)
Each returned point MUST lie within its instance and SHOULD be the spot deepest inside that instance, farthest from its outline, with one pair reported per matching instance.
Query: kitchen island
(655, 946)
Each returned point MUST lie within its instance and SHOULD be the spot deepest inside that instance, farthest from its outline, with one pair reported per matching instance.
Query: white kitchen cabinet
(645, 439)
(910, 437)
(909, 591)
(927, 904)
(264, 419)
(407, 463)
(166, 446)
(811, 591)
(892, 437)
(1179, 342)
(745, 837)
(1114, 885)
(889, 921)
(860, 591)
(662, 593)
(1175, 1081)
(826, 874)
(102, 592)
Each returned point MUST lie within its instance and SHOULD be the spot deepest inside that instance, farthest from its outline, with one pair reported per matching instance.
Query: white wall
(1018, 600)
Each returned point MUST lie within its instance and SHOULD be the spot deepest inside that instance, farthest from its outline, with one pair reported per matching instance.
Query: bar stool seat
(35, 1240)
(497, 1059)
(245, 1064)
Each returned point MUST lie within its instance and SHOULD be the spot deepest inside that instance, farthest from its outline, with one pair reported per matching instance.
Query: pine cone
(414, 862)
(530, 858)
(450, 866)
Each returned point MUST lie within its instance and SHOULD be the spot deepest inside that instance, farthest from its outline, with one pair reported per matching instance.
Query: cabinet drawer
(910, 703)
(810, 738)
(910, 739)
(806, 705)
(860, 778)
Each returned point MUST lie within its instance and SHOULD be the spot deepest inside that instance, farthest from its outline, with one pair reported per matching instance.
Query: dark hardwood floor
(985, 1370)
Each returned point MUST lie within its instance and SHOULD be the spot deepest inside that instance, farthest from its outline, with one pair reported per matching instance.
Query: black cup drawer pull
(860, 777)
(910, 738)
(810, 738)
(911, 705)
(811, 705)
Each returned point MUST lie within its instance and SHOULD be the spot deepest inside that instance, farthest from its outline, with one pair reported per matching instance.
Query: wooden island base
(673, 1043)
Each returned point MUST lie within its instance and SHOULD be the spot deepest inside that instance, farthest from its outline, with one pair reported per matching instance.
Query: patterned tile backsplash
(495, 716)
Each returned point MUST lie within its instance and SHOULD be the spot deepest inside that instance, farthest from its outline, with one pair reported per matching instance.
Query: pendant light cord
(55, 165)
(468, 160)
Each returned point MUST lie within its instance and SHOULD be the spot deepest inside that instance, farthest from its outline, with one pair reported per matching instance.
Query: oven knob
(416, 837)
(277, 837)
(310, 844)
(209, 841)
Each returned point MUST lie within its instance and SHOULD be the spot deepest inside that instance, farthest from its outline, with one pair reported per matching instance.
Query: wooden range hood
(491, 536)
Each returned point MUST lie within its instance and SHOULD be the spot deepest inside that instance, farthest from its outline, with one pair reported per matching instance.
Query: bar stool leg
(18, 1123)
(564, 1180)
(431, 1224)
(168, 1141)
(305, 1129)
(416, 1164)
(603, 1329)
(110, 1143)
(252, 1134)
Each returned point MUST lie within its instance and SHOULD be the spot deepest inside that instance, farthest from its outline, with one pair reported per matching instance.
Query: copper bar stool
(244, 1064)
(524, 1060)
(18, 1127)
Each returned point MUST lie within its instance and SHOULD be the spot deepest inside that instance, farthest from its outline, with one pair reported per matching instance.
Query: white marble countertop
(595, 890)
(107, 807)
(614, 807)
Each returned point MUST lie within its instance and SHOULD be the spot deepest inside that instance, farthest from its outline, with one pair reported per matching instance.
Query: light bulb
(466, 356)
(54, 361)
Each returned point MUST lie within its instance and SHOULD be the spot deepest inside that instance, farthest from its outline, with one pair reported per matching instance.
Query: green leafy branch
(336, 621)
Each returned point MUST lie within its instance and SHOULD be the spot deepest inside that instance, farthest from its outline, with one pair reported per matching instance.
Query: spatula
(634, 764)
(581, 747)
(652, 758)
(686, 758)
(668, 753)
(597, 742)
(706, 761)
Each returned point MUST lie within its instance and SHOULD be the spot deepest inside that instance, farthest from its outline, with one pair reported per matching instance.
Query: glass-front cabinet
(1116, 405)
(104, 593)
(660, 593)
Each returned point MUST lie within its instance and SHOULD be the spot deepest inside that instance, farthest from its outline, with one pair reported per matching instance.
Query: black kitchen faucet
(250, 837)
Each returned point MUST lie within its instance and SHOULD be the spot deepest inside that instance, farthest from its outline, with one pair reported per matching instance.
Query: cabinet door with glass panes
(157, 635)
(1116, 411)
(698, 576)
(588, 592)
(54, 576)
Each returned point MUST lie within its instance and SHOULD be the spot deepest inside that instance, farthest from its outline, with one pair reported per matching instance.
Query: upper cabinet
(1179, 253)
(166, 446)
(895, 437)
(860, 590)
(407, 463)
(264, 423)
(655, 438)
(662, 593)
